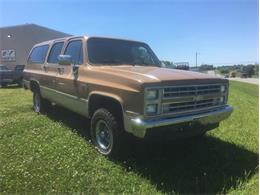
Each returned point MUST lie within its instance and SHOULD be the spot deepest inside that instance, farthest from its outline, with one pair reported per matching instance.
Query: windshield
(103, 51)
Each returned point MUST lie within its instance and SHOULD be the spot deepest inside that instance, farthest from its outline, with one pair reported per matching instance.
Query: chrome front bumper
(138, 126)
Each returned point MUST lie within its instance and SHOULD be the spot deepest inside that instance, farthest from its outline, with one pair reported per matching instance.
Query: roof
(30, 25)
(85, 37)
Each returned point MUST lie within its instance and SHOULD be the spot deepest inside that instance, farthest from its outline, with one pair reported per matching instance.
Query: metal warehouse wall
(17, 41)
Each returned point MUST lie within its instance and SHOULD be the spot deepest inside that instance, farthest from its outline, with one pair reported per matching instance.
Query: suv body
(120, 85)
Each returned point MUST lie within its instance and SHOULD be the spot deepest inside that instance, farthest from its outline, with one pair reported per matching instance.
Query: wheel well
(99, 101)
(34, 86)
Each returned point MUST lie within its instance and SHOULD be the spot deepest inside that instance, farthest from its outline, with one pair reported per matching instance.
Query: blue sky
(222, 31)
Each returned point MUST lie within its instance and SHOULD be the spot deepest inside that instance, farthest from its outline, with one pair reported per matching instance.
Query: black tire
(114, 129)
(40, 105)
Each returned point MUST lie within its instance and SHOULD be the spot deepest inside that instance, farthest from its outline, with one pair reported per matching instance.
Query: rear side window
(55, 52)
(38, 54)
(74, 49)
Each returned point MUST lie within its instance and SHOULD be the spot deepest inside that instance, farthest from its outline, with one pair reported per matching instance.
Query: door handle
(45, 68)
(60, 70)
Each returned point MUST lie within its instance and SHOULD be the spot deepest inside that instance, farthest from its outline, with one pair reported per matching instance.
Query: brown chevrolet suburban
(123, 88)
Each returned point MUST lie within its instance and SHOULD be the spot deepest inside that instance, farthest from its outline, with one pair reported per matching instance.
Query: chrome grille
(183, 99)
(188, 106)
(170, 92)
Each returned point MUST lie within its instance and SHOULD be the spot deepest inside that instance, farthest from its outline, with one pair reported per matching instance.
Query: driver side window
(74, 49)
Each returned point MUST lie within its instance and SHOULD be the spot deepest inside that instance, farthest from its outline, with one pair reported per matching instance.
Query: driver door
(67, 82)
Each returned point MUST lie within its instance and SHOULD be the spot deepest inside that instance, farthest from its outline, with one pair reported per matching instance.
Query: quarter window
(55, 52)
(74, 49)
(38, 54)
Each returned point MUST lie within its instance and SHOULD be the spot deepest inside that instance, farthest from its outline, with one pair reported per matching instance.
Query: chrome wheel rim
(104, 137)
(36, 102)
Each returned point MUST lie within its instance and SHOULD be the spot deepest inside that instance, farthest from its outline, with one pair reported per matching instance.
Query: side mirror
(65, 59)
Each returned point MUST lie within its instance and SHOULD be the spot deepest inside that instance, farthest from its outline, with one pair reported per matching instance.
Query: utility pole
(196, 59)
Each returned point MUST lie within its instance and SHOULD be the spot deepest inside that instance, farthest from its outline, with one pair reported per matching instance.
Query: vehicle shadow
(80, 124)
(206, 166)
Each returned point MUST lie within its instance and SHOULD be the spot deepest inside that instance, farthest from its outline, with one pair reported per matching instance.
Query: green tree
(168, 64)
(249, 70)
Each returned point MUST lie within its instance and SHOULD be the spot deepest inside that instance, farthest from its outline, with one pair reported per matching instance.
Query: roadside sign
(8, 55)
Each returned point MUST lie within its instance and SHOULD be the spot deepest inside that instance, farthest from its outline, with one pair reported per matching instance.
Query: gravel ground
(245, 80)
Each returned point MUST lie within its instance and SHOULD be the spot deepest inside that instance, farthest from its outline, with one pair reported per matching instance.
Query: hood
(151, 74)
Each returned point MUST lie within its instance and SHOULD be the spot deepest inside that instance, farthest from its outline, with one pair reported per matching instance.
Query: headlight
(151, 94)
(151, 109)
(222, 88)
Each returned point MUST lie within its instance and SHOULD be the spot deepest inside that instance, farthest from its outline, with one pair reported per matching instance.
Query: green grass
(52, 153)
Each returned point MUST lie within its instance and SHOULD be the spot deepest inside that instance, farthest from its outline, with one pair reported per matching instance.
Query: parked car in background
(244, 75)
(233, 74)
(121, 86)
(9, 76)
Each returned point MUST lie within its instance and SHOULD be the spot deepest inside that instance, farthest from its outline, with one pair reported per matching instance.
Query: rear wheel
(40, 105)
(106, 134)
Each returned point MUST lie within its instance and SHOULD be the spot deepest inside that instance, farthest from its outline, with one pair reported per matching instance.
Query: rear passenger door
(52, 65)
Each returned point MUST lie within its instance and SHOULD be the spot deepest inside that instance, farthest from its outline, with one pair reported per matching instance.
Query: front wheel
(106, 134)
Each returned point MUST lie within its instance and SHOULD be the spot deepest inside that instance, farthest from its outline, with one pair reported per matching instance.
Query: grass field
(52, 153)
